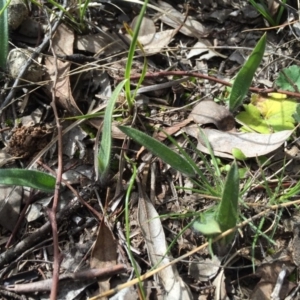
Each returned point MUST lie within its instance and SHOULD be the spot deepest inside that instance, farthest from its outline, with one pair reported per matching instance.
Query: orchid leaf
(31, 178)
(162, 151)
(227, 214)
(245, 76)
(103, 157)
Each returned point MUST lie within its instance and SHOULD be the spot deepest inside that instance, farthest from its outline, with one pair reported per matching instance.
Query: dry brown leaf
(159, 41)
(116, 132)
(209, 112)
(251, 144)
(204, 47)
(104, 253)
(100, 43)
(204, 269)
(161, 136)
(174, 18)
(189, 27)
(62, 44)
(273, 7)
(220, 285)
(155, 239)
(147, 29)
(153, 44)
(269, 275)
(10, 203)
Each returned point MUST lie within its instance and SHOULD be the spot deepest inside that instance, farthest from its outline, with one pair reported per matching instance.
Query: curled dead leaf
(209, 112)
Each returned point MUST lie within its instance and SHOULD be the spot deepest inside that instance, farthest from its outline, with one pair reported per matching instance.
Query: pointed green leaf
(162, 151)
(34, 179)
(238, 154)
(3, 33)
(207, 226)
(245, 75)
(227, 214)
(103, 158)
(132, 49)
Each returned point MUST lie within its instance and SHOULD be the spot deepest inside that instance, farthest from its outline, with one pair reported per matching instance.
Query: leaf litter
(90, 62)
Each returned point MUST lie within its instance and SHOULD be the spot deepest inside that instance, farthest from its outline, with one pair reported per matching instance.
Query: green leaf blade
(132, 48)
(103, 158)
(245, 75)
(162, 151)
(207, 224)
(30, 178)
(227, 214)
(3, 33)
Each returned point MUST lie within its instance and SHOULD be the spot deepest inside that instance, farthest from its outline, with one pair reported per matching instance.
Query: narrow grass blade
(264, 11)
(3, 33)
(82, 10)
(205, 183)
(34, 179)
(131, 55)
(227, 214)
(162, 151)
(280, 12)
(85, 117)
(61, 8)
(245, 75)
(144, 70)
(103, 158)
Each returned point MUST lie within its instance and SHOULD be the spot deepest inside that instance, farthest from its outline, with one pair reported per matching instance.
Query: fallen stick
(45, 285)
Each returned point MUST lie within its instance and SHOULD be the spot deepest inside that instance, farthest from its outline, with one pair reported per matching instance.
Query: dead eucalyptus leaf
(269, 273)
(174, 18)
(251, 144)
(209, 112)
(161, 135)
(273, 7)
(203, 46)
(155, 239)
(188, 27)
(153, 44)
(104, 253)
(159, 41)
(100, 43)
(62, 45)
(147, 29)
(10, 203)
(204, 269)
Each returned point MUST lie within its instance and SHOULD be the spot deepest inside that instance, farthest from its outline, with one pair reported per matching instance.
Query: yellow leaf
(277, 96)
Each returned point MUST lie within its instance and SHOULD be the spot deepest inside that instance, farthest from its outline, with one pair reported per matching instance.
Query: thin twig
(86, 275)
(53, 210)
(69, 186)
(203, 76)
(19, 222)
(40, 234)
